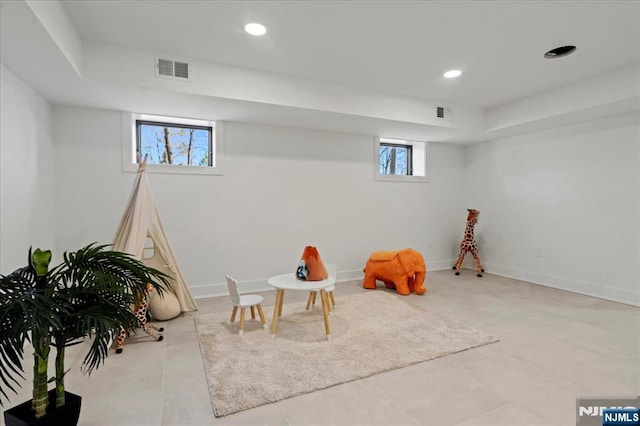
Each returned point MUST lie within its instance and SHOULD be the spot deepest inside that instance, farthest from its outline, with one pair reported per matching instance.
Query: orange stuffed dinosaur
(403, 270)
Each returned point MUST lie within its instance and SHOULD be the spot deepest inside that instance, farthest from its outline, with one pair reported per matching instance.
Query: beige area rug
(371, 333)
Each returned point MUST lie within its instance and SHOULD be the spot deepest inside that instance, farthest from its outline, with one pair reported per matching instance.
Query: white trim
(129, 146)
(440, 265)
(586, 288)
(176, 120)
(423, 162)
(220, 289)
(255, 286)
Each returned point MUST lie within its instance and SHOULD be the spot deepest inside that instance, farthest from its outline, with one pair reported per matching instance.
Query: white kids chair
(332, 269)
(242, 302)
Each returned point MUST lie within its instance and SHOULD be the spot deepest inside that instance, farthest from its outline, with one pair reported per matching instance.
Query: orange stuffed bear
(403, 270)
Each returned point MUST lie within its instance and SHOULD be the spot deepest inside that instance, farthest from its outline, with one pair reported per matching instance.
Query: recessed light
(255, 29)
(559, 52)
(452, 74)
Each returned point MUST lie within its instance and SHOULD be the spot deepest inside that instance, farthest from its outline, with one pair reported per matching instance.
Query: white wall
(283, 188)
(562, 207)
(559, 207)
(26, 173)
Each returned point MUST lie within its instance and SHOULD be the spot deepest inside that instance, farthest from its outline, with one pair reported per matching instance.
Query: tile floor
(554, 346)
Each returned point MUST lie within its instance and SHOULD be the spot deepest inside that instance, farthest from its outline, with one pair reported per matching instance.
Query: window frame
(130, 139)
(419, 157)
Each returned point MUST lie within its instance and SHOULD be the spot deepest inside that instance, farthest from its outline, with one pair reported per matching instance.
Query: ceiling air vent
(443, 113)
(181, 69)
(170, 68)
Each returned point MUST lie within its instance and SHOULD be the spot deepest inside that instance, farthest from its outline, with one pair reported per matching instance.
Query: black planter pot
(67, 415)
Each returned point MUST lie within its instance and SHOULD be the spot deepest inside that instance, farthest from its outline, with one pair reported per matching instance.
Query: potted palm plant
(88, 295)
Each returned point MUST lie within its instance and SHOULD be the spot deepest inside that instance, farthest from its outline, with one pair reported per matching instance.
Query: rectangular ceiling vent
(443, 113)
(173, 69)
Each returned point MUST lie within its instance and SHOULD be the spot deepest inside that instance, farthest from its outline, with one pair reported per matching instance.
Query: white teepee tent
(139, 227)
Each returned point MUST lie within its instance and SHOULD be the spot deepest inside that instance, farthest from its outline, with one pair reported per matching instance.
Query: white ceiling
(398, 48)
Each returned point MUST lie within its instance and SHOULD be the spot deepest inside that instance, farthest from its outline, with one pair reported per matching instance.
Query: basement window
(400, 160)
(171, 144)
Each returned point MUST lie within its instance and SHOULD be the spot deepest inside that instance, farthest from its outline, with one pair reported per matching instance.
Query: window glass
(173, 144)
(395, 159)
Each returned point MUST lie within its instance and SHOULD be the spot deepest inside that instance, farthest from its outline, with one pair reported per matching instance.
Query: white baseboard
(220, 289)
(255, 286)
(581, 287)
(440, 265)
(586, 288)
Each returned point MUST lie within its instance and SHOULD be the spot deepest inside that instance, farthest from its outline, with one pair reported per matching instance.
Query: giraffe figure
(140, 310)
(468, 244)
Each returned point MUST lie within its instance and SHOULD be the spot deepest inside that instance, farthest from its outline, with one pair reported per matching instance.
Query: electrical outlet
(539, 252)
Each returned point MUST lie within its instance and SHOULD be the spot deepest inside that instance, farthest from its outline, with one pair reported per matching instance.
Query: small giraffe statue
(468, 244)
(140, 310)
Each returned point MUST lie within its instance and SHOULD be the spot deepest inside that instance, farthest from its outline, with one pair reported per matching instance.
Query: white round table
(289, 281)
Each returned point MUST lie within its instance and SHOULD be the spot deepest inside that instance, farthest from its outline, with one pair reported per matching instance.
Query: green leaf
(89, 294)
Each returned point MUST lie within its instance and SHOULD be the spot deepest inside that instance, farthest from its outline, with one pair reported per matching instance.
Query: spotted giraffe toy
(468, 244)
(140, 310)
